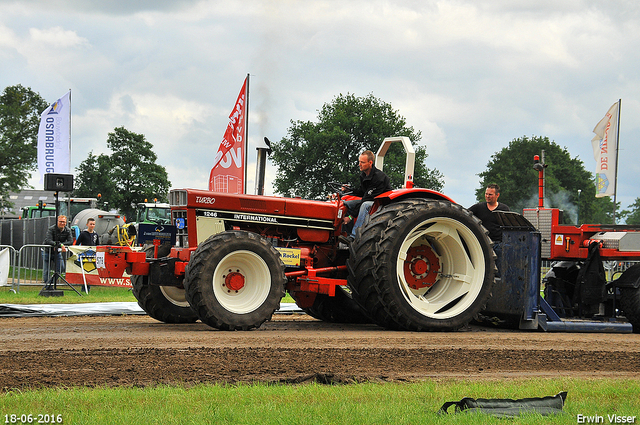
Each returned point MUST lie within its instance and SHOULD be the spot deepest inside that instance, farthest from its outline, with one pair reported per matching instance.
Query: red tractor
(419, 262)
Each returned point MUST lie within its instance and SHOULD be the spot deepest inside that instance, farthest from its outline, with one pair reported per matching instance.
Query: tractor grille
(178, 198)
(182, 231)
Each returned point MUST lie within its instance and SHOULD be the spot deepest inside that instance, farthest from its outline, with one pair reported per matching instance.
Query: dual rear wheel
(421, 265)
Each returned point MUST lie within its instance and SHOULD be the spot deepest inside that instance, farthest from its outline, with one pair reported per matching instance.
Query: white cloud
(56, 37)
(470, 75)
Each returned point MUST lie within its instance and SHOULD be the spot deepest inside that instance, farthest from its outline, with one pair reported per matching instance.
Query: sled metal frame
(517, 293)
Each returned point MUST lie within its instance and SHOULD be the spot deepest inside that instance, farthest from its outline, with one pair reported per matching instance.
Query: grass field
(29, 294)
(365, 403)
(597, 400)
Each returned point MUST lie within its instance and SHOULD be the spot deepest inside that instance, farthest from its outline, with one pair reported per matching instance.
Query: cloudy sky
(471, 75)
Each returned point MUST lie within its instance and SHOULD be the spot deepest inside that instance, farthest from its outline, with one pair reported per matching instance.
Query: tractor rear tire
(339, 309)
(167, 304)
(630, 302)
(235, 280)
(421, 265)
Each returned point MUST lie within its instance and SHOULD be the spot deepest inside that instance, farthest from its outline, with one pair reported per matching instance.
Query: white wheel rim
(461, 274)
(257, 282)
(176, 296)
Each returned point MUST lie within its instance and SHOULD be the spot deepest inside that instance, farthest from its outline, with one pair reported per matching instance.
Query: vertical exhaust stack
(539, 167)
(261, 166)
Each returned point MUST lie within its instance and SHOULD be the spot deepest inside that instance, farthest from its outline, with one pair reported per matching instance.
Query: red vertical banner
(227, 174)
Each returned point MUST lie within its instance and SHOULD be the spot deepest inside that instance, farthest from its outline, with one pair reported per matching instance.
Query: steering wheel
(337, 187)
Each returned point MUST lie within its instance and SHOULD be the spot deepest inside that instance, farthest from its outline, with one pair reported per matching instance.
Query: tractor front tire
(167, 304)
(235, 280)
(421, 265)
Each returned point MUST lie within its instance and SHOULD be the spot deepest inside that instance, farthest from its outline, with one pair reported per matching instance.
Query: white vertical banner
(5, 263)
(54, 138)
(605, 151)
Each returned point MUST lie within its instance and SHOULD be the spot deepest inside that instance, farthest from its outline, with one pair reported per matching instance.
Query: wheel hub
(421, 267)
(234, 281)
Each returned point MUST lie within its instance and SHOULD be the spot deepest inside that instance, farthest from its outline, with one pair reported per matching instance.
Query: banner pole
(246, 133)
(615, 180)
(69, 131)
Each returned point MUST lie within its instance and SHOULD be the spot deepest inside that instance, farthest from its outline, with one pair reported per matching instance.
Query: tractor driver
(373, 182)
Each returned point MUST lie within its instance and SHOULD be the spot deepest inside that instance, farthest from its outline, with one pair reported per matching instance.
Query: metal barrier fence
(10, 252)
(26, 266)
(30, 265)
(23, 239)
(17, 233)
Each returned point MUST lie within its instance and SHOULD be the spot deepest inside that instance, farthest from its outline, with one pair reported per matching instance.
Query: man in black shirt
(484, 211)
(373, 182)
(58, 238)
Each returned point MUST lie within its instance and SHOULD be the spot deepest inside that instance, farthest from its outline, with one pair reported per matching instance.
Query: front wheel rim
(462, 268)
(256, 282)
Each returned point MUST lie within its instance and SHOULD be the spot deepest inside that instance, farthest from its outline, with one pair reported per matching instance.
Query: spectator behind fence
(89, 237)
(58, 238)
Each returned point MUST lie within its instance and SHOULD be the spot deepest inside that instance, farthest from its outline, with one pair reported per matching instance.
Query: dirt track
(137, 350)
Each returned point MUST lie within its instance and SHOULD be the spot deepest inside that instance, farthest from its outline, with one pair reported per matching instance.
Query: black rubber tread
(360, 266)
(153, 301)
(338, 309)
(630, 302)
(370, 264)
(199, 278)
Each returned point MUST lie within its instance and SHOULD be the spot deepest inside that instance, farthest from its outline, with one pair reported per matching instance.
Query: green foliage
(632, 216)
(90, 178)
(314, 153)
(512, 169)
(20, 110)
(127, 176)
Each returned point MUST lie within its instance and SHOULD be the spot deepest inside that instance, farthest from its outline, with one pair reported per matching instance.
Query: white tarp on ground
(93, 309)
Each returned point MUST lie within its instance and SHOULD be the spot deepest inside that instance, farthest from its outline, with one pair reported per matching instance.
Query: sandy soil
(137, 350)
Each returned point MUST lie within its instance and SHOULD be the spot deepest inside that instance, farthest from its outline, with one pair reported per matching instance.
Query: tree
(314, 153)
(20, 110)
(632, 215)
(512, 169)
(90, 179)
(127, 176)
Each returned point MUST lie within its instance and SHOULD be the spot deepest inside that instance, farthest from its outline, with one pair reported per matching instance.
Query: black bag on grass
(544, 406)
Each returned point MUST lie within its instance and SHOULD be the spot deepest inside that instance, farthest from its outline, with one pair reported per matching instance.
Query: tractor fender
(413, 193)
